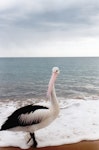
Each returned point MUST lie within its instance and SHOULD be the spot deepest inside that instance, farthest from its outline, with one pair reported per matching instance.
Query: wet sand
(85, 145)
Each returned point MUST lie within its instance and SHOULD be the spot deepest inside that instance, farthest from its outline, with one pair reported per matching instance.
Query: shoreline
(83, 145)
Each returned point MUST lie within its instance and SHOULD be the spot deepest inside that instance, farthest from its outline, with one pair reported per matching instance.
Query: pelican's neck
(51, 94)
(53, 98)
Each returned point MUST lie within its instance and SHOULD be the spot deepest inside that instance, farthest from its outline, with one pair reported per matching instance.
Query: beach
(78, 121)
(84, 145)
(77, 93)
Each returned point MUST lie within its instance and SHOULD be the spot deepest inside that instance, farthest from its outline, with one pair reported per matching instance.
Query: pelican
(34, 117)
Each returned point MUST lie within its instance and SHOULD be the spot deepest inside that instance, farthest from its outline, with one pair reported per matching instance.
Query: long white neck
(53, 97)
(51, 94)
(54, 101)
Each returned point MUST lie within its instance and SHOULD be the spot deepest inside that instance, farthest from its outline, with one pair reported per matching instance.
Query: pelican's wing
(22, 117)
(34, 117)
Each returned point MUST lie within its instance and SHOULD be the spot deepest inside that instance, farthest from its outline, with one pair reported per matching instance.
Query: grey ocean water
(25, 78)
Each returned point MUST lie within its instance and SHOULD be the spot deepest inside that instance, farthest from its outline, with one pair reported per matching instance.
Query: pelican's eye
(56, 71)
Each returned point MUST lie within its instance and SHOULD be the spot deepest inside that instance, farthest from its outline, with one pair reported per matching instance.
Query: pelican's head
(55, 70)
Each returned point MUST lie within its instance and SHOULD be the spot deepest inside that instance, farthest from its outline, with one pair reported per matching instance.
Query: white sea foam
(78, 120)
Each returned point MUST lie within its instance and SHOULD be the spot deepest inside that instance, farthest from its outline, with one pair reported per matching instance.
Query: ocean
(26, 78)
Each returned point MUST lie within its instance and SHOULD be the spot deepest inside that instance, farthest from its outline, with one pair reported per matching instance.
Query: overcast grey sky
(49, 28)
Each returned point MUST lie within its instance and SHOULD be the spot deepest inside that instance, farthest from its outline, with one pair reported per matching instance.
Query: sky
(49, 28)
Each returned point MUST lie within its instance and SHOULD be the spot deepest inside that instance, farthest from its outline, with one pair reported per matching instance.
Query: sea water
(25, 80)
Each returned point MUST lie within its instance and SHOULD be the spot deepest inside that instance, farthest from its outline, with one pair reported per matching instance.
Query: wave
(78, 120)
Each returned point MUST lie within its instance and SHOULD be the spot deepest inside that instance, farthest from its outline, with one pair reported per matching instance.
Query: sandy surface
(85, 145)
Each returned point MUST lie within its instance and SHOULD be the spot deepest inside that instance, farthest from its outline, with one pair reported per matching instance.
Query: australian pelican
(34, 117)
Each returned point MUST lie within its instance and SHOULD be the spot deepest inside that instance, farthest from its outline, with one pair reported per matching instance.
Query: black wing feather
(13, 119)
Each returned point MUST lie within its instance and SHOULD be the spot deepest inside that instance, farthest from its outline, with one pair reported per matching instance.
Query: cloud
(26, 27)
(45, 14)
